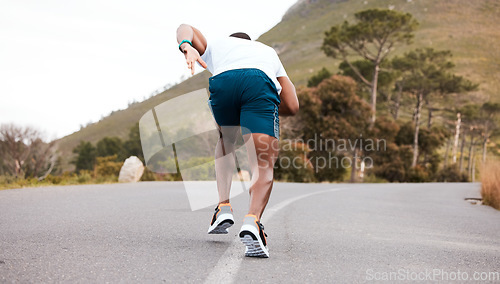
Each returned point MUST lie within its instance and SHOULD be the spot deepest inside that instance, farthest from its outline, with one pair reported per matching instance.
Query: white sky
(64, 63)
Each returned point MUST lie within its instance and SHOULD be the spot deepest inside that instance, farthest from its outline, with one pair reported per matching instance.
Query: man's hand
(192, 52)
(192, 55)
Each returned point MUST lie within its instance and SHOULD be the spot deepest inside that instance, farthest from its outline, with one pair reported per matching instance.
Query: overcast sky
(64, 63)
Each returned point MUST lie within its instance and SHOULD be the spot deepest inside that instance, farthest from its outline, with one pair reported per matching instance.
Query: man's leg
(224, 168)
(266, 150)
(225, 161)
(252, 231)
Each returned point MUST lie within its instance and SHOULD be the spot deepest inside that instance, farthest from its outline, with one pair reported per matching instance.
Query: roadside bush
(8, 181)
(451, 174)
(169, 177)
(198, 168)
(418, 174)
(319, 77)
(108, 166)
(371, 178)
(292, 164)
(148, 175)
(328, 165)
(84, 176)
(490, 183)
(392, 164)
(53, 179)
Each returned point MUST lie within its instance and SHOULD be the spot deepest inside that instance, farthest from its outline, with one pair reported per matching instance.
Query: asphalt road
(318, 233)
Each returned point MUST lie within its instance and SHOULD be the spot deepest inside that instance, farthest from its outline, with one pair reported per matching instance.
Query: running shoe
(223, 219)
(253, 236)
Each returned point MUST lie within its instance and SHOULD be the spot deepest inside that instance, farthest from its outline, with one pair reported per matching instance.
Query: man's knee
(265, 176)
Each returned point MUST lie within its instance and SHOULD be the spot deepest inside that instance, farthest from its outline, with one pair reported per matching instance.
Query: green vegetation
(93, 164)
(86, 156)
(332, 115)
(435, 100)
(316, 79)
(424, 73)
(84, 177)
(423, 77)
(466, 28)
(24, 153)
(375, 34)
(333, 112)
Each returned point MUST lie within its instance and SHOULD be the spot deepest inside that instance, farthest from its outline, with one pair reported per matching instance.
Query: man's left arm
(195, 48)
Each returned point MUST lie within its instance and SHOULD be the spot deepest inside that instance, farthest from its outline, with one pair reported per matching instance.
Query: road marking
(228, 265)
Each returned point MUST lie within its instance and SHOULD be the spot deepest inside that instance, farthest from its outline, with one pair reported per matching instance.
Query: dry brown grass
(490, 183)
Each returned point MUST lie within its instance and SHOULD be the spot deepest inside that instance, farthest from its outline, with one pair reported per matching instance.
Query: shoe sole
(254, 246)
(221, 225)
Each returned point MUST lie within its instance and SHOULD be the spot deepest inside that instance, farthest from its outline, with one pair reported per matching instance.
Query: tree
(42, 159)
(319, 77)
(429, 141)
(333, 112)
(109, 146)
(292, 164)
(392, 162)
(427, 72)
(133, 145)
(86, 158)
(456, 136)
(366, 68)
(470, 115)
(489, 122)
(23, 150)
(373, 37)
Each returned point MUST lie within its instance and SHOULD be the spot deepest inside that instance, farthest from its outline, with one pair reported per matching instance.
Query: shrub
(371, 178)
(319, 77)
(148, 175)
(418, 174)
(53, 179)
(108, 166)
(392, 163)
(490, 183)
(451, 174)
(292, 164)
(198, 168)
(84, 176)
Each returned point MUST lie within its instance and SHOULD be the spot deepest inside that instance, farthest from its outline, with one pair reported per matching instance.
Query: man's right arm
(289, 102)
(192, 53)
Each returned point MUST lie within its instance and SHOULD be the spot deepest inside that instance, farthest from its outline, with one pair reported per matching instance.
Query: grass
(490, 183)
(83, 177)
(9, 182)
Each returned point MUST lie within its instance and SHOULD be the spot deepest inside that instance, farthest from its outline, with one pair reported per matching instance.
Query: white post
(455, 141)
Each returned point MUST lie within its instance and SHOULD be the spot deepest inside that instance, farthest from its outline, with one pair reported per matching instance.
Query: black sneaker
(253, 236)
(222, 219)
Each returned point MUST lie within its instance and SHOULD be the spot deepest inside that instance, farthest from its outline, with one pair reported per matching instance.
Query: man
(249, 88)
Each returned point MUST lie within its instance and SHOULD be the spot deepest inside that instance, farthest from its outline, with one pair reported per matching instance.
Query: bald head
(241, 35)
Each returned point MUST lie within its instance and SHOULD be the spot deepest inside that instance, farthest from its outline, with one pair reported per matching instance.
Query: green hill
(468, 28)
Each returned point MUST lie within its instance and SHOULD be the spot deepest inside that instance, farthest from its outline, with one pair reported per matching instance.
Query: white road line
(228, 265)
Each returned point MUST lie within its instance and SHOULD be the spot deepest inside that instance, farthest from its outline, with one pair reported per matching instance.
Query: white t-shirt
(231, 53)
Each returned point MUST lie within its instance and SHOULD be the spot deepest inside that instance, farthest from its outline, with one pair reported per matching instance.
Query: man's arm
(289, 101)
(192, 53)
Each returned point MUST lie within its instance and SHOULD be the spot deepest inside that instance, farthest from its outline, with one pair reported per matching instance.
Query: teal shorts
(246, 98)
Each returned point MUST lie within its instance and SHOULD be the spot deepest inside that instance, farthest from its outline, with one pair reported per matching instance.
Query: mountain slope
(467, 28)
